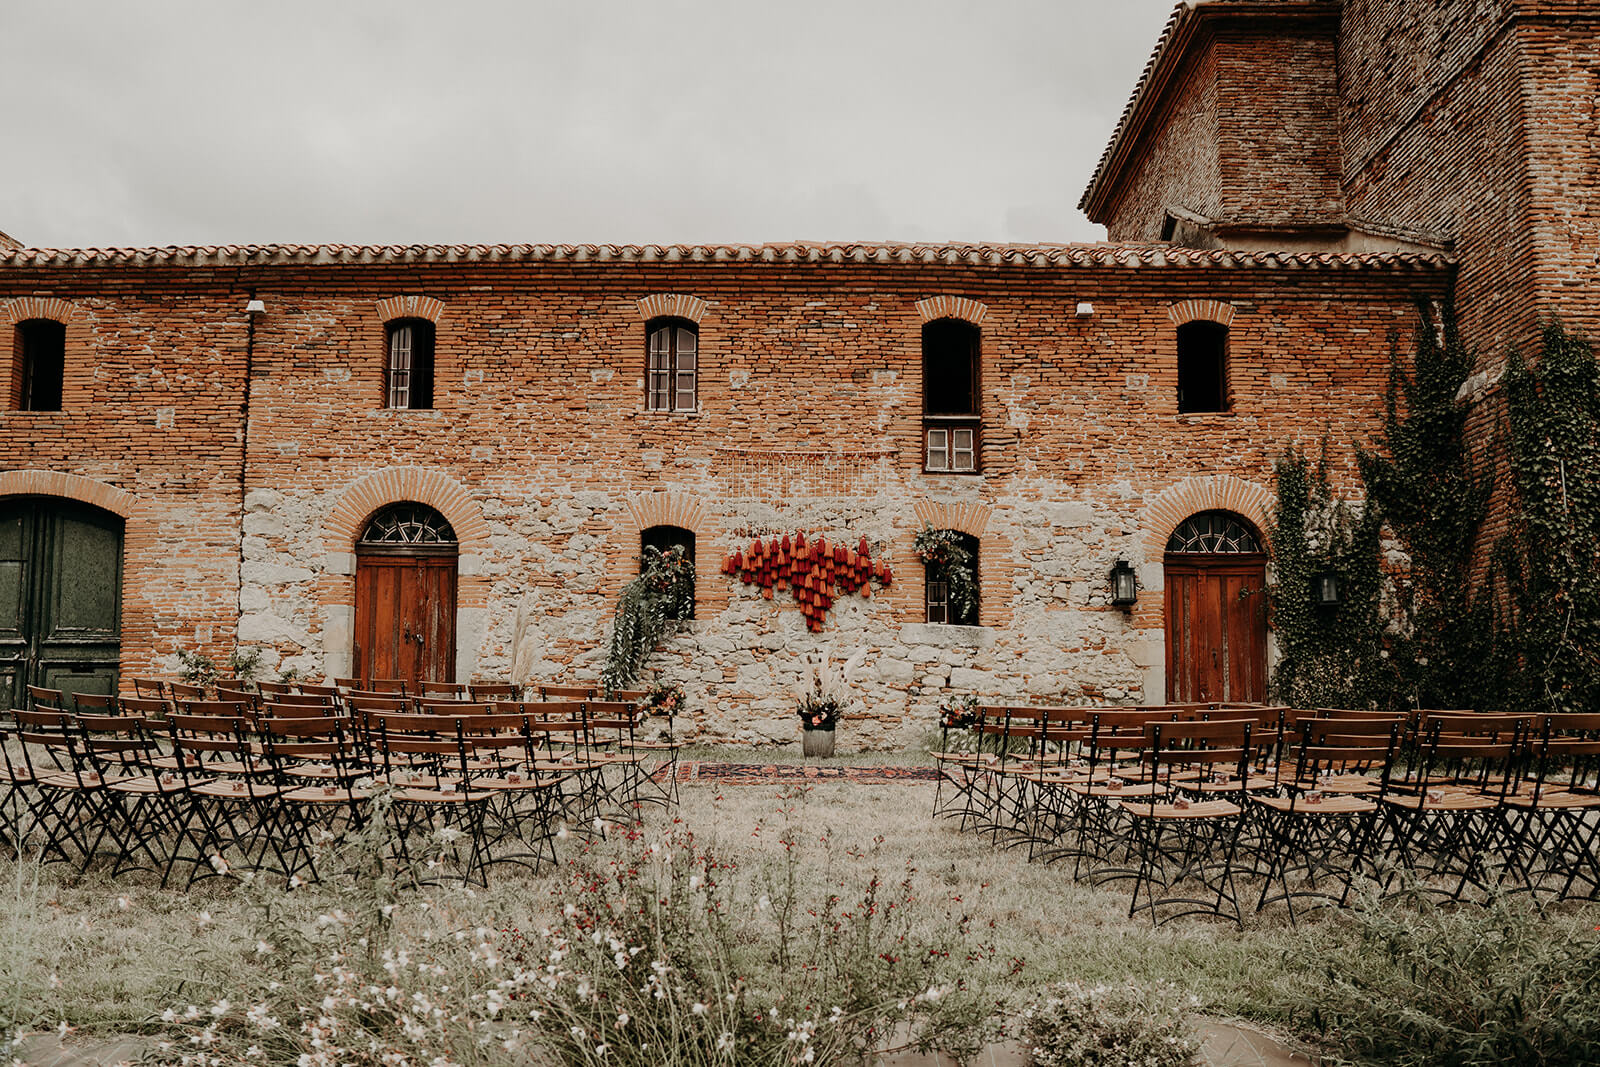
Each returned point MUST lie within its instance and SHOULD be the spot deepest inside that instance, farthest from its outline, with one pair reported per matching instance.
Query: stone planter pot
(816, 743)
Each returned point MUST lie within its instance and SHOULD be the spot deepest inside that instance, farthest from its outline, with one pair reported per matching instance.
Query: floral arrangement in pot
(958, 712)
(664, 698)
(824, 698)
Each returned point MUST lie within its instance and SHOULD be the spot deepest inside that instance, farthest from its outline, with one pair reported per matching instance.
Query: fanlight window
(1213, 532)
(408, 524)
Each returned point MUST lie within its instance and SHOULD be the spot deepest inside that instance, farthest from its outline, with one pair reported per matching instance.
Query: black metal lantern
(1327, 589)
(1124, 584)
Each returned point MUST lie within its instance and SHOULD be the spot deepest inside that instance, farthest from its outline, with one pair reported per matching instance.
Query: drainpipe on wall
(252, 309)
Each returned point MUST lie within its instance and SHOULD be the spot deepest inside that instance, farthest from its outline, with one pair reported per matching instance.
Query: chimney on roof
(8, 243)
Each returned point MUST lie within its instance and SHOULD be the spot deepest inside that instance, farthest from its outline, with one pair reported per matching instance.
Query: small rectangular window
(39, 365)
(938, 601)
(671, 365)
(409, 370)
(951, 446)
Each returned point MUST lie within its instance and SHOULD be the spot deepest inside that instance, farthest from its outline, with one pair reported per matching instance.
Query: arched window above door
(1214, 532)
(407, 527)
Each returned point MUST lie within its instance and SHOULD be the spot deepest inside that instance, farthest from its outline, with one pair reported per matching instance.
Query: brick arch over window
(672, 306)
(437, 490)
(78, 371)
(668, 508)
(24, 308)
(410, 307)
(952, 307)
(995, 560)
(1218, 492)
(71, 486)
(1186, 311)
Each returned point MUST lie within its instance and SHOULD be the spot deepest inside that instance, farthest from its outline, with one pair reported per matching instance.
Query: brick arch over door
(995, 562)
(952, 307)
(1217, 492)
(72, 486)
(439, 491)
(669, 508)
(1186, 311)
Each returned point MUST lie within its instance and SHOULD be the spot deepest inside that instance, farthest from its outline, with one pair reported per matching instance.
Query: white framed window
(672, 366)
(952, 448)
(408, 374)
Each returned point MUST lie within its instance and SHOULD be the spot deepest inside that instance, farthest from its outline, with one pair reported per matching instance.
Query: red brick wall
(151, 406)
(1178, 164)
(1278, 127)
(542, 456)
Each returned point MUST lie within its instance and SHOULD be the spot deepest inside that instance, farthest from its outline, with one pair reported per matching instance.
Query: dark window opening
(39, 365)
(1202, 367)
(951, 585)
(950, 394)
(949, 368)
(408, 379)
(662, 538)
(1169, 226)
(671, 365)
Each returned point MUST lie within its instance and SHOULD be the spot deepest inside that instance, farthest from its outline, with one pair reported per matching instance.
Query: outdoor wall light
(1085, 309)
(1327, 589)
(256, 307)
(1124, 584)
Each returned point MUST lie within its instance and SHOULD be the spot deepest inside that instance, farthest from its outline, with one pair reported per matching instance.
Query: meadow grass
(110, 957)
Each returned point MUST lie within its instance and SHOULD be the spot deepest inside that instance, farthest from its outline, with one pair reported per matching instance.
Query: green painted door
(60, 597)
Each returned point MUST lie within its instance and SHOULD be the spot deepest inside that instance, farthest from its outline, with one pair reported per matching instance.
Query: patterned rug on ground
(764, 773)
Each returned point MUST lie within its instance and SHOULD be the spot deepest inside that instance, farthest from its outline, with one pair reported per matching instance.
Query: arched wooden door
(60, 597)
(1216, 577)
(406, 596)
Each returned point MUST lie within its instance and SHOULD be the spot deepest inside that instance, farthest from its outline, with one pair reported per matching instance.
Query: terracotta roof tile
(885, 254)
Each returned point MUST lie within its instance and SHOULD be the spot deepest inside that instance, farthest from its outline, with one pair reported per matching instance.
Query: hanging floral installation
(818, 572)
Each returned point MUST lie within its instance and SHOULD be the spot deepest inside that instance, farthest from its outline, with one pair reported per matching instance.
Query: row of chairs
(156, 786)
(1186, 800)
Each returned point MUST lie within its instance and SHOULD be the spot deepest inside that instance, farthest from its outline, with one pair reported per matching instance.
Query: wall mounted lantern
(1124, 584)
(1327, 589)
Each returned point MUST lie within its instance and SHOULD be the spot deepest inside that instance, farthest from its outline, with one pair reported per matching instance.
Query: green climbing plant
(648, 610)
(1326, 656)
(1424, 484)
(1550, 557)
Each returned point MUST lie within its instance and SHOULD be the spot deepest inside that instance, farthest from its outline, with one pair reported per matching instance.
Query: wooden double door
(1216, 627)
(406, 616)
(60, 597)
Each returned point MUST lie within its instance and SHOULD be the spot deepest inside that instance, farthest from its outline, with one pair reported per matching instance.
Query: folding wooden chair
(1314, 835)
(433, 791)
(233, 817)
(1446, 815)
(1186, 844)
(322, 778)
(1552, 841)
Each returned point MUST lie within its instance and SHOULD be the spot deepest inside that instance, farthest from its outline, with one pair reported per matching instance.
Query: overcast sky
(216, 122)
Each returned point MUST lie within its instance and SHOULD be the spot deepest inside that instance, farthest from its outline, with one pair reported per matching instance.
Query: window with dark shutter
(1202, 367)
(408, 381)
(671, 367)
(950, 392)
(39, 365)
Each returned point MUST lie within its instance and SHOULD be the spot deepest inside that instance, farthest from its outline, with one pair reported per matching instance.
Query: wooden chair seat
(1200, 809)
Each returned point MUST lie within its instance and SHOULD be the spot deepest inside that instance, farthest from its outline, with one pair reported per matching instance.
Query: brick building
(445, 459)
